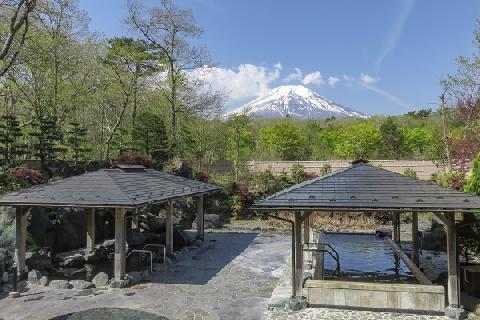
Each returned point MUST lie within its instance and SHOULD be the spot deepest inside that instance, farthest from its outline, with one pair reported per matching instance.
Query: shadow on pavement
(110, 314)
(218, 251)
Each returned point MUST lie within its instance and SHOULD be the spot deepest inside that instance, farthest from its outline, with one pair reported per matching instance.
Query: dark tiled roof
(109, 188)
(363, 187)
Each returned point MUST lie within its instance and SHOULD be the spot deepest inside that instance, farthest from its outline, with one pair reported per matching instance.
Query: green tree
(285, 139)
(10, 146)
(150, 137)
(392, 138)
(46, 140)
(417, 142)
(358, 141)
(240, 139)
(473, 183)
(76, 138)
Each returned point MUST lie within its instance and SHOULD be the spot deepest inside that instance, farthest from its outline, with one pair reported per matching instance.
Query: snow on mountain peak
(296, 101)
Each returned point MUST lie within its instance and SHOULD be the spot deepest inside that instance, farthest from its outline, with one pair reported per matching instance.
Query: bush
(133, 159)
(454, 180)
(409, 172)
(326, 169)
(28, 177)
(298, 173)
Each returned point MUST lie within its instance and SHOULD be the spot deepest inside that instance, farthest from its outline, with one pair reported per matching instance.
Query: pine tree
(10, 147)
(46, 140)
(76, 140)
(150, 137)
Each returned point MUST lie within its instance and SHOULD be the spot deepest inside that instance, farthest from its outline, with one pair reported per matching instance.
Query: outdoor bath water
(367, 258)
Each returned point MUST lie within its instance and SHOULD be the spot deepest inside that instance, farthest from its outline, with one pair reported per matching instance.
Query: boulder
(44, 281)
(75, 261)
(81, 284)
(96, 256)
(100, 280)
(39, 261)
(118, 283)
(59, 284)
(153, 224)
(7, 215)
(34, 277)
(135, 277)
(136, 238)
(211, 220)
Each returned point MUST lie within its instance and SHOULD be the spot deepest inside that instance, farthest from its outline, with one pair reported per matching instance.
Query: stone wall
(423, 168)
(382, 296)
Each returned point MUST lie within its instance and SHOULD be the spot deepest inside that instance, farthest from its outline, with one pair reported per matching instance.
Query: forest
(67, 93)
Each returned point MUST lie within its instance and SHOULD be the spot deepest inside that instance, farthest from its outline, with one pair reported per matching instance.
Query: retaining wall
(380, 296)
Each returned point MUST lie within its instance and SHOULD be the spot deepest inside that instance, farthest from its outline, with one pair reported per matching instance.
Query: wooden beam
(298, 255)
(169, 227)
(306, 227)
(415, 239)
(90, 229)
(422, 279)
(452, 262)
(441, 217)
(200, 217)
(20, 239)
(120, 238)
(396, 228)
(320, 258)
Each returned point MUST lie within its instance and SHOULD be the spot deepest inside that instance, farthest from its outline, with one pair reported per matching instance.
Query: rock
(96, 256)
(153, 224)
(34, 277)
(81, 284)
(100, 280)
(75, 261)
(135, 277)
(118, 283)
(136, 238)
(39, 261)
(7, 215)
(44, 281)
(59, 284)
(211, 221)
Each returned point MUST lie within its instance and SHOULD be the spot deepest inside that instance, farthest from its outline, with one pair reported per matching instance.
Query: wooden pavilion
(365, 188)
(125, 188)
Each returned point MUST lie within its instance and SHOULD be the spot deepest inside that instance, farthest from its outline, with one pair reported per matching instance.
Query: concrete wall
(384, 296)
(423, 168)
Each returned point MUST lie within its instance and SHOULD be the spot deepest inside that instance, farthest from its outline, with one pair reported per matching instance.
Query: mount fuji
(297, 102)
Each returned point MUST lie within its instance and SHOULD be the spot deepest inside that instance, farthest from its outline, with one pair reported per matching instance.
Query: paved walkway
(334, 314)
(231, 278)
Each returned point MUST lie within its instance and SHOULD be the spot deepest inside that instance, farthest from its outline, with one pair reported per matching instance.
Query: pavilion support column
(298, 255)
(90, 229)
(120, 238)
(454, 309)
(415, 239)
(200, 217)
(20, 239)
(134, 222)
(396, 227)
(169, 227)
(307, 237)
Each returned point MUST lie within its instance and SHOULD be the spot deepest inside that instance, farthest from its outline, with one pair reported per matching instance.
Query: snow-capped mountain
(295, 101)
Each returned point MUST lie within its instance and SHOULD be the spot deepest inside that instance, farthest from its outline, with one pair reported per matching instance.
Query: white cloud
(388, 96)
(368, 79)
(332, 81)
(297, 75)
(395, 32)
(313, 78)
(242, 82)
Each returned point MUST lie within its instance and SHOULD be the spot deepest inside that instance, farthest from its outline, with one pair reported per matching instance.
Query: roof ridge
(105, 173)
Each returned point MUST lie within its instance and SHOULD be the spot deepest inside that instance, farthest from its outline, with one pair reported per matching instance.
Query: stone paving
(335, 314)
(231, 277)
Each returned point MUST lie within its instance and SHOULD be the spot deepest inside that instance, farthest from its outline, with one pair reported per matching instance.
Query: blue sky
(376, 56)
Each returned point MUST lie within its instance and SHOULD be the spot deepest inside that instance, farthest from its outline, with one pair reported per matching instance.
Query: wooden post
(453, 288)
(169, 227)
(415, 239)
(306, 237)
(298, 255)
(20, 239)
(396, 227)
(134, 222)
(200, 217)
(120, 237)
(90, 229)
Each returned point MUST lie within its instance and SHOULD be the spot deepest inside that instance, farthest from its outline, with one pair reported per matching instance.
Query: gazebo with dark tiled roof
(365, 188)
(124, 188)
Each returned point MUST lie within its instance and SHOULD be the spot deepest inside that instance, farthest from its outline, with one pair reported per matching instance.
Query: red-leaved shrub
(202, 176)
(28, 176)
